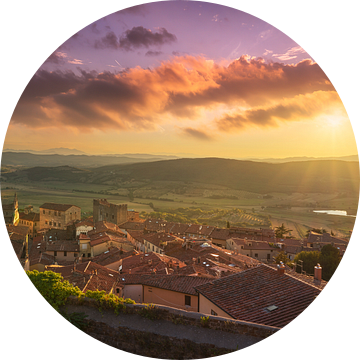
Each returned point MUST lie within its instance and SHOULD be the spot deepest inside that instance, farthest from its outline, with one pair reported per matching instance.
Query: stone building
(11, 212)
(31, 219)
(57, 216)
(103, 210)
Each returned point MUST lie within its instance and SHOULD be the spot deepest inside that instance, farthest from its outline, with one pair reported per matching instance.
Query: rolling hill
(316, 176)
(23, 159)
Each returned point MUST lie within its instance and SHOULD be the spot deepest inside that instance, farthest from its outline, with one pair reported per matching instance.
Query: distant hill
(317, 176)
(307, 158)
(82, 161)
(58, 151)
(306, 176)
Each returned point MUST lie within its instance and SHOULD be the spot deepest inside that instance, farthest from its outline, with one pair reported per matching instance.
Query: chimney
(317, 274)
(281, 268)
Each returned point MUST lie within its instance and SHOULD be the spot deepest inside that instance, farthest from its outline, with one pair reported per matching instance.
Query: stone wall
(123, 340)
(149, 344)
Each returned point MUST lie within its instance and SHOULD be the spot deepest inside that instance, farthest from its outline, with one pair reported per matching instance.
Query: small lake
(333, 212)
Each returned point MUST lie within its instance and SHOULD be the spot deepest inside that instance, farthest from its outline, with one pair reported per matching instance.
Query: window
(43, 211)
(49, 212)
(55, 253)
(59, 224)
(256, 255)
(75, 254)
(54, 223)
(45, 222)
(112, 216)
(213, 312)
(65, 253)
(187, 300)
(50, 223)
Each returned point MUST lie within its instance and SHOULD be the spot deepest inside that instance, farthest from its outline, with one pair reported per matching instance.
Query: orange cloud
(301, 107)
(196, 134)
(140, 99)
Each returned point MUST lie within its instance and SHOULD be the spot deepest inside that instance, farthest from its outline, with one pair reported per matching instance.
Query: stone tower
(103, 210)
(16, 210)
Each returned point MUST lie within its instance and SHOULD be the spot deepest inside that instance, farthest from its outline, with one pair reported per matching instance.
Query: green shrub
(53, 287)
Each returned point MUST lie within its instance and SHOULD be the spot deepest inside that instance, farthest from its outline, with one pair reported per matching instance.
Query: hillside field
(295, 210)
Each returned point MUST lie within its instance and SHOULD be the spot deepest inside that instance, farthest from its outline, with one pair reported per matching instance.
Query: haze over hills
(305, 158)
(58, 151)
(322, 176)
(78, 158)
(82, 161)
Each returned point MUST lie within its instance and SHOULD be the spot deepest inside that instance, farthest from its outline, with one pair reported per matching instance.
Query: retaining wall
(150, 344)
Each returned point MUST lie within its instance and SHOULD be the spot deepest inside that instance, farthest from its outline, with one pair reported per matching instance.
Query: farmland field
(295, 210)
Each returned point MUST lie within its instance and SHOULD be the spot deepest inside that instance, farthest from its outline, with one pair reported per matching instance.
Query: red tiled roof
(132, 225)
(220, 234)
(56, 207)
(248, 295)
(85, 222)
(111, 256)
(30, 216)
(146, 263)
(58, 245)
(179, 283)
(158, 238)
(99, 238)
(178, 228)
(88, 276)
(155, 224)
(105, 226)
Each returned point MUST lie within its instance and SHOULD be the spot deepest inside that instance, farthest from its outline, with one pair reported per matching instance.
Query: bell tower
(16, 210)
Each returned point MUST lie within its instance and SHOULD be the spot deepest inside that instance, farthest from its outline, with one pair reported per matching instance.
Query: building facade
(57, 216)
(103, 210)
(30, 219)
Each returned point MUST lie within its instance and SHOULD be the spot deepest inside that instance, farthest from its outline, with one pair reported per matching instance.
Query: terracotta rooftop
(105, 226)
(19, 230)
(58, 245)
(179, 283)
(148, 262)
(88, 276)
(220, 234)
(159, 238)
(85, 222)
(132, 225)
(326, 237)
(196, 229)
(111, 256)
(155, 224)
(261, 295)
(57, 207)
(99, 238)
(178, 228)
(32, 216)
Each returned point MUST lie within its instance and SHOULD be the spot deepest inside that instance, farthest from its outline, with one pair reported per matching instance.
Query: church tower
(16, 216)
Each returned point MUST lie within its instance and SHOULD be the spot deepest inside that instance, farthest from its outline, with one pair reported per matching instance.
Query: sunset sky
(182, 78)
